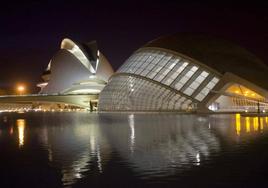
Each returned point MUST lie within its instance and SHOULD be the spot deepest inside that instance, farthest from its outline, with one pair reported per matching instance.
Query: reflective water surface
(132, 150)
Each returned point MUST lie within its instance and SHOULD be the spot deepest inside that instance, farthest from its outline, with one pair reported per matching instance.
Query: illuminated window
(203, 93)
(194, 85)
(184, 78)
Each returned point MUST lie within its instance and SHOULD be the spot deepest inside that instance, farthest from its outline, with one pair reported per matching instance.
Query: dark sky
(31, 32)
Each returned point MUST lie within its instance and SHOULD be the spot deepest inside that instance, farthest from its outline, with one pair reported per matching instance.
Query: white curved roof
(72, 47)
(77, 63)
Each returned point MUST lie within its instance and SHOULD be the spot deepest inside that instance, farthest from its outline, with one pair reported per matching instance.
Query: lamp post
(258, 105)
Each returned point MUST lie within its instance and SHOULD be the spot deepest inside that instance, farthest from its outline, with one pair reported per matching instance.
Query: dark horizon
(32, 32)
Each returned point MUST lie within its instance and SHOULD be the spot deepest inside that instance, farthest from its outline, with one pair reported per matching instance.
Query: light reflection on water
(73, 147)
(250, 124)
(156, 146)
(21, 128)
(85, 146)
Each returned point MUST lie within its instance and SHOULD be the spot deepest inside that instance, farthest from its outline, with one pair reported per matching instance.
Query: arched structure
(185, 72)
(76, 69)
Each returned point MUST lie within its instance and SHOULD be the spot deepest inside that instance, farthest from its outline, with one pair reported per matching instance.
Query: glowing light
(21, 89)
(21, 129)
(86, 91)
(99, 159)
(132, 133)
(197, 159)
(238, 124)
(43, 84)
(243, 91)
(11, 131)
(261, 124)
(98, 60)
(247, 124)
(78, 175)
(255, 123)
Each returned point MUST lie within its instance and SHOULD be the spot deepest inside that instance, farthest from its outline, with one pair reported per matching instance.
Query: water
(113, 150)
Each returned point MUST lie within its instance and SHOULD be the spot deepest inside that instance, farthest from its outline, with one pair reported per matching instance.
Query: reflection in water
(261, 124)
(238, 124)
(162, 143)
(11, 131)
(197, 159)
(73, 144)
(250, 123)
(132, 132)
(99, 159)
(150, 147)
(21, 128)
(247, 124)
(255, 124)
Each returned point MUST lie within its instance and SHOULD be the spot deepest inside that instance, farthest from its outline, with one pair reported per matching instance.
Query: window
(203, 93)
(194, 85)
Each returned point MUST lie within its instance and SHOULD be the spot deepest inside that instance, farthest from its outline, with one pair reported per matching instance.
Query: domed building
(188, 72)
(76, 69)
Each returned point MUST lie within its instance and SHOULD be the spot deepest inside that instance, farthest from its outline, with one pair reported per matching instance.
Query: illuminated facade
(186, 72)
(76, 69)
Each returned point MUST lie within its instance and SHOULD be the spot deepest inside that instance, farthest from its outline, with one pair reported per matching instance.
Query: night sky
(31, 32)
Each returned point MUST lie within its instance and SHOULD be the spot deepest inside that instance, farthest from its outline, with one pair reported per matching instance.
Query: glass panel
(130, 93)
(203, 93)
(185, 77)
(188, 91)
(200, 97)
(197, 82)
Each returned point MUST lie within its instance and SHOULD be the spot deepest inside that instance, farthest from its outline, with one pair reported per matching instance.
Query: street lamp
(21, 89)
